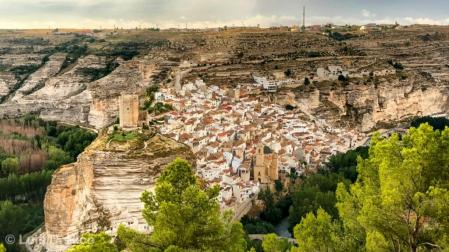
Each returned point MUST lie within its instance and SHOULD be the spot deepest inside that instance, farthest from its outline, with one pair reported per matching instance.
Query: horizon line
(217, 27)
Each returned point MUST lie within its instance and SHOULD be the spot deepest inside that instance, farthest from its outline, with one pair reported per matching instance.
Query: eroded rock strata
(103, 188)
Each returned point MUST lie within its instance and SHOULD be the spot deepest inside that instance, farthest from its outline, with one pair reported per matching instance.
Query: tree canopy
(9, 166)
(399, 201)
(318, 190)
(399, 194)
(315, 232)
(272, 243)
(12, 218)
(184, 216)
(100, 242)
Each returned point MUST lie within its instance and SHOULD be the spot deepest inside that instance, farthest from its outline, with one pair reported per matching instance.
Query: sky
(24, 14)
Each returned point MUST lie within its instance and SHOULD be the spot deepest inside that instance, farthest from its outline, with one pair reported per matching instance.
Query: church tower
(266, 165)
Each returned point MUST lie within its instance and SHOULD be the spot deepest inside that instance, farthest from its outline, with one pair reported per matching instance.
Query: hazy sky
(213, 13)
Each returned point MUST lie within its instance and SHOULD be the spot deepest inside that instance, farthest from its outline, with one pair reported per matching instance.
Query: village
(242, 140)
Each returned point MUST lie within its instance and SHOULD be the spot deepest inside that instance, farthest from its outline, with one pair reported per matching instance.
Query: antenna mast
(303, 27)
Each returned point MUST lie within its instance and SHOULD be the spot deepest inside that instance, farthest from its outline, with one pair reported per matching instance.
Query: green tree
(100, 242)
(11, 220)
(271, 212)
(317, 191)
(272, 243)
(345, 164)
(9, 166)
(401, 194)
(135, 241)
(185, 216)
(316, 233)
(256, 226)
(56, 158)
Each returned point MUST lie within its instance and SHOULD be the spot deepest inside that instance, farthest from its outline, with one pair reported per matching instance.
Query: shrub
(288, 72)
(396, 65)
(342, 78)
(306, 81)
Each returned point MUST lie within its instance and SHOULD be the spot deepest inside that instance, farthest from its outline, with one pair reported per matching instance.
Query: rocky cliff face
(371, 107)
(70, 97)
(103, 188)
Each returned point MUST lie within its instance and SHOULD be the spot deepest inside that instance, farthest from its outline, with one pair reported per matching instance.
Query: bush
(341, 36)
(56, 158)
(314, 54)
(342, 78)
(160, 108)
(306, 81)
(396, 65)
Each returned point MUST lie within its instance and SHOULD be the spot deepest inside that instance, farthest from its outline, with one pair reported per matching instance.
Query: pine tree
(184, 216)
(398, 200)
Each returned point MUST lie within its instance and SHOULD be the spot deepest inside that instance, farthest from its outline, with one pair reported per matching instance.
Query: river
(281, 229)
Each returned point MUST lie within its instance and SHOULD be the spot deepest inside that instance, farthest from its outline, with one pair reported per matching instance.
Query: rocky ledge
(103, 188)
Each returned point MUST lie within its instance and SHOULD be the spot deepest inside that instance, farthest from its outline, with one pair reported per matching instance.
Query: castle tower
(129, 111)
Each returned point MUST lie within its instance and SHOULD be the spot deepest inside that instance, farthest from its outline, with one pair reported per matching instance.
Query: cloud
(178, 22)
(368, 14)
(208, 13)
(425, 20)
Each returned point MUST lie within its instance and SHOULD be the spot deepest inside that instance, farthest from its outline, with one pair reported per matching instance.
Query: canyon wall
(70, 97)
(369, 108)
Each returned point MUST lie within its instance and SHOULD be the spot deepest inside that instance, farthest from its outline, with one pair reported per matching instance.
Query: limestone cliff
(371, 107)
(70, 97)
(102, 189)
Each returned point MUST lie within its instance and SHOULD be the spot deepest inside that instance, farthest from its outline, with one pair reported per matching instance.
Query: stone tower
(129, 111)
(266, 165)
